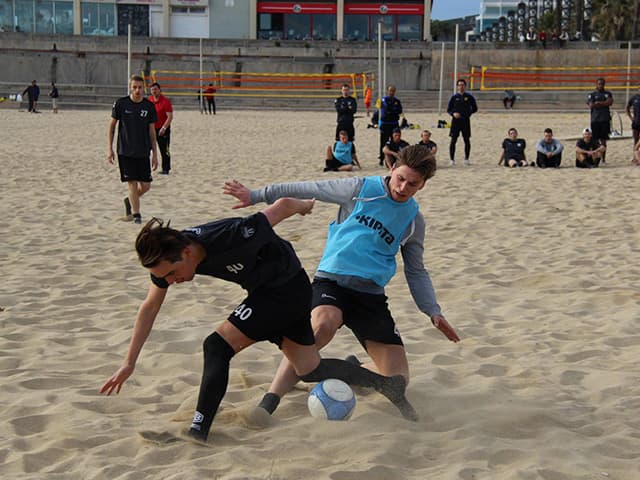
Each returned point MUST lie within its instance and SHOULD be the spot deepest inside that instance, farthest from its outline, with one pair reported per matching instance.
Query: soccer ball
(331, 399)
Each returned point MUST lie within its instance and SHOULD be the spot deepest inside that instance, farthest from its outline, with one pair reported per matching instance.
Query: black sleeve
(159, 282)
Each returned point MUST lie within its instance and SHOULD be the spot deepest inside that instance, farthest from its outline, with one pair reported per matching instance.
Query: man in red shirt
(164, 112)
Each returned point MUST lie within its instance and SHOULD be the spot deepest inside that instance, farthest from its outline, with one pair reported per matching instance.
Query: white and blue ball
(331, 399)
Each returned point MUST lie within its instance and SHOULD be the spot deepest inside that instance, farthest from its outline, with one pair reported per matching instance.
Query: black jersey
(634, 105)
(600, 114)
(464, 104)
(396, 147)
(346, 108)
(390, 110)
(514, 148)
(245, 251)
(134, 118)
(430, 144)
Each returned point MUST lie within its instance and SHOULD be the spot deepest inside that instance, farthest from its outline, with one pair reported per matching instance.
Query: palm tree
(609, 19)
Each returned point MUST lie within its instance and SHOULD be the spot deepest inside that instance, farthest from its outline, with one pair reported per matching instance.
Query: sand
(537, 269)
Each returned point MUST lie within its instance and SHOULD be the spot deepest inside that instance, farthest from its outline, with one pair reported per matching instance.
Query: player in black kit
(599, 102)
(461, 106)
(633, 112)
(136, 138)
(277, 308)
(346, 107)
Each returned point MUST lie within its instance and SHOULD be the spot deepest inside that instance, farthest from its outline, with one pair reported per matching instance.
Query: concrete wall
(411, 66)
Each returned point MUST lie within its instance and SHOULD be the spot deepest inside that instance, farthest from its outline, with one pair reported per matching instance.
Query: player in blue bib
(377, 218)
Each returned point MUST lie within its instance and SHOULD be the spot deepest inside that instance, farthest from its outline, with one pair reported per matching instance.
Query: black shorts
(366, 314)
(460, 126)
(274, 313)
(134, 169)
(635, 126)
(601, 130)
(334, 163)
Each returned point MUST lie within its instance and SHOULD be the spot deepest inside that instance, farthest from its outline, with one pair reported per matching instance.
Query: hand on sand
(117, 379)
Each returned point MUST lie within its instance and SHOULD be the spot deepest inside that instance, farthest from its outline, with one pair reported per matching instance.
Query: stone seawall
(410, 65)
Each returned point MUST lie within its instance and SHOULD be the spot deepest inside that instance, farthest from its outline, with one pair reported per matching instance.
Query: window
(24, 15)
(297, 26)
(409, 27)
(6, 16)
(270, 26)
(324, 27)
(356, 27)
(63, 14)
(98, 18)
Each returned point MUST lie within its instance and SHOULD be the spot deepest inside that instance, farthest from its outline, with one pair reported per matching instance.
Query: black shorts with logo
(273, 313)
(134, 169)
(366, 314)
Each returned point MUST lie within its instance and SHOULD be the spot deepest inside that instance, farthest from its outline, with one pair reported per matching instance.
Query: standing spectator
(136, 137)
(32, 92)
(532, 37)
(346, 107)
(390, 110)
(210, 97)
(54, 97)
(599, 102)
(425, 141)
(549, 151)
(513, 150)
(367, 100)
(633, 112)
(589, 151)
(461, 106)
(393, 147)
(543, 38)
(164, 112)
(341, 157)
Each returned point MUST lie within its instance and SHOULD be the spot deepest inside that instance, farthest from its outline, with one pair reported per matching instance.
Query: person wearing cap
(589, 151)
(599, 102)
(513, 150)
(549, 151)
(393, 146)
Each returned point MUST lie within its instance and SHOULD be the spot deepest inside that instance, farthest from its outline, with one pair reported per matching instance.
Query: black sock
(269, 402)
(215, 378)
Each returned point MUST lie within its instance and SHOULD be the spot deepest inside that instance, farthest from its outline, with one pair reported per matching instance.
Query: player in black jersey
(277, 308)
(461, 106)
(346, 108)
(633, 112)
(599, 102)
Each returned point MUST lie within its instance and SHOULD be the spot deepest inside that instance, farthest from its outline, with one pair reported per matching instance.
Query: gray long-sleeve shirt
(554, 146)
(344, 193)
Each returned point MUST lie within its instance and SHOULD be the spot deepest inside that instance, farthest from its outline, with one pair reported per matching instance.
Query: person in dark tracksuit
(388, 119)
(346, 108)
(461, 106)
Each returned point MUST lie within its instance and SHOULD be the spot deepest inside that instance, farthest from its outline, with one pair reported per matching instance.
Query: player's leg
(325, 321)
(219, 348)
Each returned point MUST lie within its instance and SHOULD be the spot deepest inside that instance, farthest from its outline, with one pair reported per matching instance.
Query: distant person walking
(346, 107)
(388, 120)
(33, 93)
(599, 102)
(367, 100)
(136, 117)
(53, 93)
(164, 113)
(210, 97)
(461, 106)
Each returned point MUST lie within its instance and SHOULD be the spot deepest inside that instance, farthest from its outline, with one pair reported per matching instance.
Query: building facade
(353, 20)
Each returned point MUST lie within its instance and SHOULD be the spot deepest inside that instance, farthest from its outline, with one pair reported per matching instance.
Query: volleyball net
(244, 84)
(552, 78)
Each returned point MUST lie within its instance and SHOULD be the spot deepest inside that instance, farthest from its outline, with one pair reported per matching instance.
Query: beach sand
(538, 270)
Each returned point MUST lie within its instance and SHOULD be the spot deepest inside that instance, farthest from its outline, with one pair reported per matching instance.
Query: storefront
(297, 21)
(36, 16)
(401, 22)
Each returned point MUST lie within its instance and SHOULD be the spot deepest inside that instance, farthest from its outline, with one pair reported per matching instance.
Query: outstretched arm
(141, 329)
(286, 207)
